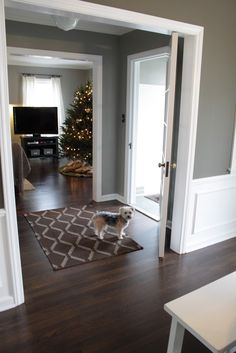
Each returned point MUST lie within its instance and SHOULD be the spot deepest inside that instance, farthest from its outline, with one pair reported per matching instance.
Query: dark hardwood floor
(109, 306)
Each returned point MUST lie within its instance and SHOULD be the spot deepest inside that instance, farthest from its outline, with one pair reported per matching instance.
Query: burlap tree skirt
(77, 168)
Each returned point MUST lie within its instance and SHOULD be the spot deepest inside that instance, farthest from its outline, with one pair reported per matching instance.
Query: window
(45, 91)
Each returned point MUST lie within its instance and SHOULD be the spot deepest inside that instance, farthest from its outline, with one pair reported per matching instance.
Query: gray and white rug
(67, 237)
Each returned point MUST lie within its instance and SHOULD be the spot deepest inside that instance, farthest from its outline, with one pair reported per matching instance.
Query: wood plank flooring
(109, 306)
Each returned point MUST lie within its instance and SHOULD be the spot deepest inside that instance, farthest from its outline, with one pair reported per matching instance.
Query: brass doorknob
(161, 165)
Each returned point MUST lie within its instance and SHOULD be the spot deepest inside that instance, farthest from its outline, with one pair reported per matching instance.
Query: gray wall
(71, 79)
(51, 38)
(217, 95)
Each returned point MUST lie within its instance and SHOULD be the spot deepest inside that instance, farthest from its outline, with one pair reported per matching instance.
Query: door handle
(166, 166)
(161, 165)
(172, 165)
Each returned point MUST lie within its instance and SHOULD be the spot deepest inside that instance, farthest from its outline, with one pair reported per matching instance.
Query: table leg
(176, 337)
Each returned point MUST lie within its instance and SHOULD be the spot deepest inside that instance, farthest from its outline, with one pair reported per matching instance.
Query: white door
(165, 164)
(146, 86)
(170, 53)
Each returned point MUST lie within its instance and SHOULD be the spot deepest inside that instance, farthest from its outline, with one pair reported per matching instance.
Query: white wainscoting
(6, 299)
(212, 212)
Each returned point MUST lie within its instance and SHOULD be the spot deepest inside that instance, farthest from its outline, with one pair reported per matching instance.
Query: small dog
(120, 221)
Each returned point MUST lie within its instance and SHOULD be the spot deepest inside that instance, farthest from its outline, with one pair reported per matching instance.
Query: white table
(208, 313)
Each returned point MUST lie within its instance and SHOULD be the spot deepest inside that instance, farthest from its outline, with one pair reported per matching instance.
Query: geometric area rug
(67, 237)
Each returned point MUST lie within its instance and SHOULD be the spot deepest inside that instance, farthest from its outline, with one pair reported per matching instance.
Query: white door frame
(187, 136)
(193, 41)
(131, 114)
(97, 105)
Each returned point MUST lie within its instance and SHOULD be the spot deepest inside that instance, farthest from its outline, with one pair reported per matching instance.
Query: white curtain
(57, 99)
(43, 92)
(28, 87)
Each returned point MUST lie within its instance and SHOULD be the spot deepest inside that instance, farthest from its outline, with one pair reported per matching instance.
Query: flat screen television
(35, 120)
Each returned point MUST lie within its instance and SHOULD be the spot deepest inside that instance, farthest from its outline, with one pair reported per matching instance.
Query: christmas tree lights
(76, 138)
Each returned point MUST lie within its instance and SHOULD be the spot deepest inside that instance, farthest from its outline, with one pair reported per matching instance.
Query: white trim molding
(6, 303)
(212, 212)
(7, 299)
(9, 222)
(111, 197)
(192, 59)
(107, 14)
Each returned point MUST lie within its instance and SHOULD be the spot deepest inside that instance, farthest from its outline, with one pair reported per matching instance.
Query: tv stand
(37, 146)
(36, 135)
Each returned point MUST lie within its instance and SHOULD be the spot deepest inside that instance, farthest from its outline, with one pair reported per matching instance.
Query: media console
(36, 147)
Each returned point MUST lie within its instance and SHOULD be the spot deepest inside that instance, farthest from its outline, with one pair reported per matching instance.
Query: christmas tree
(76, 138)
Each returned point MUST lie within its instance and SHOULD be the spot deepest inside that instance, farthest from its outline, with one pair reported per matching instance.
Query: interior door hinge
(130, 145)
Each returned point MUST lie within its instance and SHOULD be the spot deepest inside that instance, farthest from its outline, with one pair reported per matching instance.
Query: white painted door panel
(167, 140)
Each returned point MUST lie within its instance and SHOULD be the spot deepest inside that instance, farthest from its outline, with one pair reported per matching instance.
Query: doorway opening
(148, 100)
(189, 109)
(69, 64)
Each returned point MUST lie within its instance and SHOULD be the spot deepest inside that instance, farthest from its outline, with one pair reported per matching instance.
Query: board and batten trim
(2, 220)
(212, 211)
(7, 296)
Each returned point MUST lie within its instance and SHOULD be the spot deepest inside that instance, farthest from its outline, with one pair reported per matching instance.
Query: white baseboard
(108, 197)
(6, 303)
(200, 243)
(120, 198)
(111, 197)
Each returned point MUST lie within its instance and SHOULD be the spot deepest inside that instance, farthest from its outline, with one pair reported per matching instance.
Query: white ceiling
(84, 24)
(45, 19)
(47, 61)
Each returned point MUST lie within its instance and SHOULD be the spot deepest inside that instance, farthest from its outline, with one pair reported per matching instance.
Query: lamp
(65, 23)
